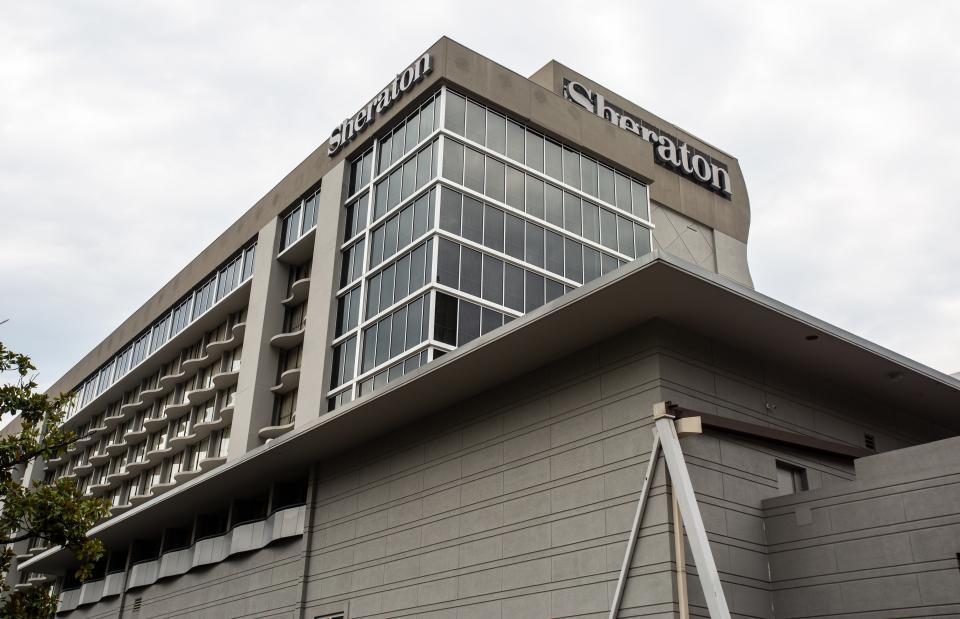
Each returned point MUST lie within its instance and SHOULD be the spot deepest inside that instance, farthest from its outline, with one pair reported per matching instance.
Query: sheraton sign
(670, 152)
(401, 84)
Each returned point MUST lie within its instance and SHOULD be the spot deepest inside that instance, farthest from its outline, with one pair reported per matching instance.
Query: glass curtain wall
(460, 219)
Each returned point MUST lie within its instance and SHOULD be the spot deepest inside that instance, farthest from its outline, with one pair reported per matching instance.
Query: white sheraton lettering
(402, 83)
(670, 152)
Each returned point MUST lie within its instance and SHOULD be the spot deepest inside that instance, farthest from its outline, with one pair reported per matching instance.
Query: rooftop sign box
(670, 152)
(402, 83)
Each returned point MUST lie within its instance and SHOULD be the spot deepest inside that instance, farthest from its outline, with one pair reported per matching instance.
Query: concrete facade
(498, 476)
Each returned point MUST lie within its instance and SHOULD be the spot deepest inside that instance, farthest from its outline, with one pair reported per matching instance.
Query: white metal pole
(693, 522)
(635, 532)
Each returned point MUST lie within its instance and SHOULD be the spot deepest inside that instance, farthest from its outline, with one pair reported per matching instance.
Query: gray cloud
(131, 134)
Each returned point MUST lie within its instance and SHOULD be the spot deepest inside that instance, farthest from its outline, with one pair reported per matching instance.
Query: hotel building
(418, 379)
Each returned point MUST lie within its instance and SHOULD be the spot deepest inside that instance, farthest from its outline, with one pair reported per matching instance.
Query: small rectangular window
(791, 478)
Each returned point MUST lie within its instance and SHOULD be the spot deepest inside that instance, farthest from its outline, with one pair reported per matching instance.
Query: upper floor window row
(514, 141)
(223, 281)
(299, 221)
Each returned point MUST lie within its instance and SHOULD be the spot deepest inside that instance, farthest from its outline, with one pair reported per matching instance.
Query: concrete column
(321, 310)
(258, 368)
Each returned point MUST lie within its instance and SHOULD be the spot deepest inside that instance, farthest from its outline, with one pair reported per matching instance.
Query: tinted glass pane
(421, 210)
(643, 240)
(455, 113)
(453, 161)
(513, 245)
(640, 200)
(383, 340)
(423, 167)
(608, 229)
(426, 118)
(553, 204)
(608, 263)
(381, 204)
(398, 143)
(553, 165)
(623, 192)
(472, 219)
(473, 170)
(591, 221)
(513, 287)
(376, 246)
(387, 277)
(554, 252)
(445, 319)
(450, 211)
(492, 279)
(574, 260)
(398, 340)
(514, 195)
(495, 179)
(571, 167)
(392, 237)
(412, 131)
(625, 236)
(534, 242)
(470, 266)
(393, 192)
(535, 151)
(589, 175)
(591, 264)
(402, 286)
(414, 322)
(418, 261)
(496, 132)
(493, 228)
(468, 325)
(572, 216)
(373, 295)
(406, 226)
(554, 290)
(369, 348)
(534, 291)
(534, 204)
(606, 183)
(490, 320)
(515, 141)
(448, 263)
(476, 122)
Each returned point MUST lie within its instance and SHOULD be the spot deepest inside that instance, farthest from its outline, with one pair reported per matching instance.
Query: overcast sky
(133, 133)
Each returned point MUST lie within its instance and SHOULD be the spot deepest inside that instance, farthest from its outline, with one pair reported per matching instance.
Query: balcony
(138, 466)
(202, 394)
(286, 341)
(288, 382)
(137, 499)
(195, 363)
(135, 435)
(164, 486)
(83, 468)
(132, 407)
(225, 379)
(112, 421)
(208, 464)
(151, 394)
(184, 476)
(238, 330)
(98, 487)
(176, 409)
(174, 377)
(155, 455)
(176, 442)
(271, 432)
(299, 290)
(152, 424)
(99, 458)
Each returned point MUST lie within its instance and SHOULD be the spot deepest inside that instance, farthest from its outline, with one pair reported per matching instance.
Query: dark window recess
(175, 539)
(790, 478)
(211, 525)
(445, 321)
(70, 581)
(248, 510)
(869, 441)
(289, 493)
(99, 569)
(144, 550)
(117, 561)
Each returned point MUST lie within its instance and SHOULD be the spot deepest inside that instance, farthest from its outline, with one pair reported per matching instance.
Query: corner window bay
(460, 219)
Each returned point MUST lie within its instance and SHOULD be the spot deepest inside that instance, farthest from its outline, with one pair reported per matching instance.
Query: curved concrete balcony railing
(116, 510)
(149, 395)
(195, 363)
(138, 466)
(70, 475)
(238, 330)
(183, 476)
(225, 379)
(98, 429)
(281, 524)
(286, 341)
(216, 347)
(83, 441)
(98, 458)
(201, 395)
(69, 599)
(154, 456)
(112, 421)
(102, 485)
(208, 464)
(115, 449)
(136, 435)
(164, 486)
(137, 499)
(203, 429)
(115, 478)
(152, 424)
(132, 407)
(226, 413)
(274, 431)
(299, 290)
(175, 410)
(58, 459)
(83, 469)
(288, 381)
(171, 379)
(176, 442)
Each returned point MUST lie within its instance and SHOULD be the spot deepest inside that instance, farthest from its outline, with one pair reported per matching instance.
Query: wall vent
(136, 604)
(869, 441)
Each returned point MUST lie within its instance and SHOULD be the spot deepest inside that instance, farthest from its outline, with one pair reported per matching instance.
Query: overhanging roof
(654, 286)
